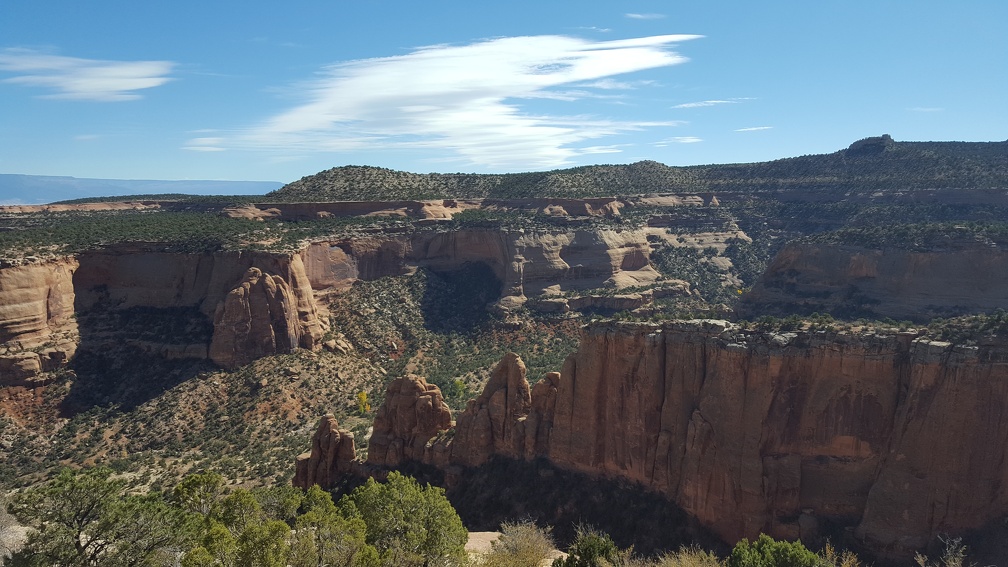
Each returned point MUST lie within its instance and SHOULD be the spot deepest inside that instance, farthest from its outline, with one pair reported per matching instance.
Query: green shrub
(591, 548)
(521, 544)
(407, 523)
(768, 552)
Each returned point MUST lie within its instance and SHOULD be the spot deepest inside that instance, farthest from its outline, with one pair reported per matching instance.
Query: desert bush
(591, 548)
(768, 552)
(954, 554)
(86, 517)
(689, 557)
(521, 544)
(10, 536)
(830, 557)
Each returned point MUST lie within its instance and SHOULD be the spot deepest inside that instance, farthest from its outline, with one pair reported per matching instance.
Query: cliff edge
(899, 437)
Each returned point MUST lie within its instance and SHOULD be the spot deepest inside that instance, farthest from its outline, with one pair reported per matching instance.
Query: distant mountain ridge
(18, 189)
(865, 167)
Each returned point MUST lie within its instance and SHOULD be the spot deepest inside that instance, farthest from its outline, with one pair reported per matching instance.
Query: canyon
(197, 326)
(895, 436)
(261, 303)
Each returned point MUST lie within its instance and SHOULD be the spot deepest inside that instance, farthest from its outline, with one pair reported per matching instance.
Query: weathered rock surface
(961, 277)
(262, 304)
(255, 319)
(37, 329)
(411, 415)
(494, 422)
(749, 432)
(331, 455)
(36, 301)
(524, 262)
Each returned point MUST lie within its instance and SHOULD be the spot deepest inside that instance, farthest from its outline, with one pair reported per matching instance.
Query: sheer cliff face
(37, 327)
(902, 438)
(964, 277)
(259, 303)
(525, 263)
(262, 303)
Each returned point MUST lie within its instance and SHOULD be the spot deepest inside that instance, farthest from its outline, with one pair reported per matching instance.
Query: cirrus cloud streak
(467, 101)
(74, 78)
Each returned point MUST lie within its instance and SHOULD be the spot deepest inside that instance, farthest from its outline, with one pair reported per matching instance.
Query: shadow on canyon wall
(130, 356)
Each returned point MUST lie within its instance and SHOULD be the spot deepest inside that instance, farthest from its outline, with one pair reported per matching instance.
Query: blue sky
(275, 91)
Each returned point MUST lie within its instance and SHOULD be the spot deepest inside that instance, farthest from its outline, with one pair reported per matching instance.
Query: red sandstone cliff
(962, 277)
(524, 262)
(37, 328)
(259, 303)
(900, 437)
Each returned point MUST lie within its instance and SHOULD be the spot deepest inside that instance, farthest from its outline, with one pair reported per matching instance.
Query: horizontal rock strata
(749, 432)
(960, 277)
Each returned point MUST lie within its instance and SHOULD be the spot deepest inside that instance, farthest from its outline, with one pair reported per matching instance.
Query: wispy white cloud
(678, 140)
(464, 100)
(925, 109)
(636, 16)
(206, 144)
(754, 129)
(75, 78)
(594, 29)
(613, 84)
(704, 103)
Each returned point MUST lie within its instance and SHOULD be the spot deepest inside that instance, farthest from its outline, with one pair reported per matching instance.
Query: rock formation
(332, 453)
(524, 262)
(960, 277)
(494, 422)
(411, 415)
(37, 329)
(255, 319)
(749, 432)
(261, 303)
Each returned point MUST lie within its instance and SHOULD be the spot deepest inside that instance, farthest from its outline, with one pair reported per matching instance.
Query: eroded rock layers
(962, 276)
(258, 304)
(749, 432)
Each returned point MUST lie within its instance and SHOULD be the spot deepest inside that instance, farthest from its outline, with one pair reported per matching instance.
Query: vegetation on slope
(918, 237)
(437, 325)
(867, 166)
(96, 517)
(120, 405)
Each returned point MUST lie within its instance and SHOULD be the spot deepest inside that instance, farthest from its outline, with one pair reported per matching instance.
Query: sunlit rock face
(258, 304)
(38, 331)
(749, 432)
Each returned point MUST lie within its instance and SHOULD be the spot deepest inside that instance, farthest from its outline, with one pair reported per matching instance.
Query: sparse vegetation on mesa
(867, 166)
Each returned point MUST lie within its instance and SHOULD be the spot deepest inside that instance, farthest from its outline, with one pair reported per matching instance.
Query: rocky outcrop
(897, 436)
(332, 454)
(411, 415)
(963, 277)
(255, 319)
(38, 331)
(36, 301)
(260, 303)
(494, 422)
(524, 262)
